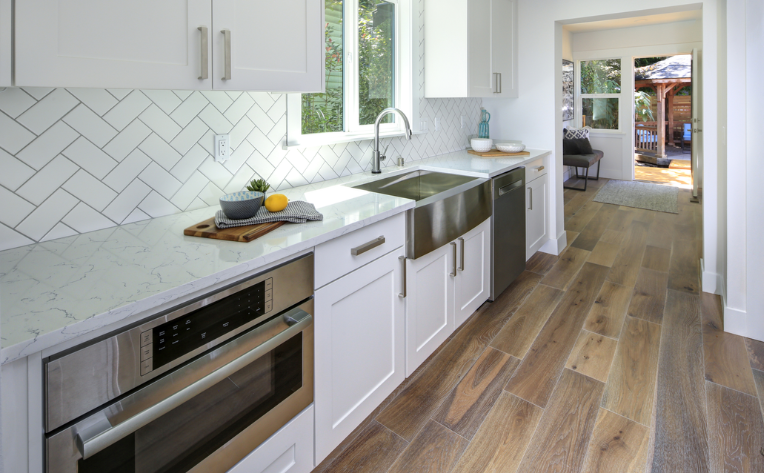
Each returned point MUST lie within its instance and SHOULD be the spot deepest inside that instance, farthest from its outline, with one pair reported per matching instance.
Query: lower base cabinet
(536, 214)
(359, 347)
(290, 450)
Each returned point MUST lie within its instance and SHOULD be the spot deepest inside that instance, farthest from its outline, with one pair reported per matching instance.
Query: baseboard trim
(735, 321)
(710, 282)
(555, 247)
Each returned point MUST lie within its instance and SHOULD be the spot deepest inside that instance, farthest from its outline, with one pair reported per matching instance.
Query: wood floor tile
(373, 451)
(613, 236)
(644, 215)
(711, 311)
(725, 355)
(626, 265)
(609, 309)
(566, 268)
(570, 238)
(536, 376)
(576, 204)
(681, 430)
(499, 444)
(409, 412)
(649, 295)
(755, 350)
(604, 253)
(622, 220)
(735, 430)
(465, 408)
(617, 445)
(540, 263)
(563, 434)
(522, 329)
(435, 449)
(758, 377)
(656, 258)
(630, 388)
(581, 219)
(592, 355)
(591, 234)
(661, 232)
(683, 272)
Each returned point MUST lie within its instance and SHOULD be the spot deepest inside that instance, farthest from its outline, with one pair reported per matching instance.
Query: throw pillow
(570, 148)
(584, 146)
(576, 133)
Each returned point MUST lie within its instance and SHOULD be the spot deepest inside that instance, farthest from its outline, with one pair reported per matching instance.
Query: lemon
(276, 202)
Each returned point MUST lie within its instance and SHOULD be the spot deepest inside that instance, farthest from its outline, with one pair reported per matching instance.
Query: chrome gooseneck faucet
(378, 157)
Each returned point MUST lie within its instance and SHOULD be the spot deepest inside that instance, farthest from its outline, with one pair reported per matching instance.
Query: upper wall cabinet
(470, 48)
(6, 29)
(172, 44)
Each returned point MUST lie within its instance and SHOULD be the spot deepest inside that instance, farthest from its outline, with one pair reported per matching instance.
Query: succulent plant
(258, 185)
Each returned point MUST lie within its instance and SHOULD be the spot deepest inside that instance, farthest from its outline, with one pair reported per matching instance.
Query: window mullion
(351, 72)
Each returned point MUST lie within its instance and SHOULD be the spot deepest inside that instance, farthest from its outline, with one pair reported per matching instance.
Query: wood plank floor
(605, 359)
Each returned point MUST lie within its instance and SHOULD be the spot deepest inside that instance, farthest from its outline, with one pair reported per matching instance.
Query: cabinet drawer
(535, 169)
(335, 258)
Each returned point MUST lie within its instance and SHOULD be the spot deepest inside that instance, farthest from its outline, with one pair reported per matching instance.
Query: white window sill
(606, 132)
(321, 140)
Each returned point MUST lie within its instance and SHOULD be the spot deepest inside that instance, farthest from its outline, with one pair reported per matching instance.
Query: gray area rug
(640, 195)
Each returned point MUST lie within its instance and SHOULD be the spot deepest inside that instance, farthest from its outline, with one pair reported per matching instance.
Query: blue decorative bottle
(485, 117)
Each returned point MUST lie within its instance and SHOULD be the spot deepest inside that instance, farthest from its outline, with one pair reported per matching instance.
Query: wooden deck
(607, 359)
(677, 175)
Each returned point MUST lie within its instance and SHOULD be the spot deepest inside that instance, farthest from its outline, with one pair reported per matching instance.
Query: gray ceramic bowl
(241, 205)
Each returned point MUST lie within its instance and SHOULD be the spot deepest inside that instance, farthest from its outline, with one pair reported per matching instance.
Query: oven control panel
(171, 340)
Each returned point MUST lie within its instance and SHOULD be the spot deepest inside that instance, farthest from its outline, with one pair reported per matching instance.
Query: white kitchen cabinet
(174, 44)
(290, 450)
(472, 285)
(429, 304)
(536, 214)
(359, 347)
(6, 35)
(471, 48)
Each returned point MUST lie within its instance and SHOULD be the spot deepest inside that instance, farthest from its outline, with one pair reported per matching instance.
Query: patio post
(661, 151)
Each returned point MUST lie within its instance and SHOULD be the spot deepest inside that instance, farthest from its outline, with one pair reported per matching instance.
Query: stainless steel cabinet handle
(453, 245)
(531, 207)
(462, 242)
(500, 84)
(402, 259)
(205, 49)
(359, 250)
(89, 443)
(227, 54)
(496, 81)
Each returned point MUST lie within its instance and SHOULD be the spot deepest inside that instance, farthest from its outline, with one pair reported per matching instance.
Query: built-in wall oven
(194, 389)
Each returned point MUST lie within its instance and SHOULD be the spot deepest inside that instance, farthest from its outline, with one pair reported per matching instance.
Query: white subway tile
(189, 135)
(98, 100)
(240, 180)
(183, 198)
(262, 167)
(127, 140)
(38, 92)
(163, 99)
(90, 190)
(158, 150)
(160, 180)
(215, 120)
(159, 122)
(14, 101)
(13, 172)
(127, 170)
(261, 119)
(183, 94)
(90, 125)
(10, 238)
(48, 145)
(127, 110)
(127, 200)
(189, 163)
(241, 131)
(119, 94)
(48, 111)
(45, 182)
(47, 215)
(239, 108)
(59, 231)
(13, 136)
(157, 206)
(136, 216)
(14, 208)
(211, 194)
(84, 219)
(239, 157)
(215, 172)
(296, 179)
(197, 204)
(190, 108)
(90, 158)
(219, 99)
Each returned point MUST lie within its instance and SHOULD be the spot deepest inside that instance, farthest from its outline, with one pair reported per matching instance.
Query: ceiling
(634, 21)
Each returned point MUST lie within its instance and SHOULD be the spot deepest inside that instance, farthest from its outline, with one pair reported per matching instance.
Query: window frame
(580, 96)
(403, 86)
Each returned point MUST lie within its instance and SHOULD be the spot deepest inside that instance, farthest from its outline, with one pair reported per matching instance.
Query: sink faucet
(377, 157)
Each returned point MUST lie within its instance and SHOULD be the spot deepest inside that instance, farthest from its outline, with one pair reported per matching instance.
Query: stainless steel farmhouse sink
(447, 206)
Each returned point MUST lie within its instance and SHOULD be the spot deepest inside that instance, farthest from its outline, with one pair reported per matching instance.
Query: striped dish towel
(295, 212)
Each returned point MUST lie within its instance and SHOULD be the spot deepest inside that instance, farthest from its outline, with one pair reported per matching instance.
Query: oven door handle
(90, 443)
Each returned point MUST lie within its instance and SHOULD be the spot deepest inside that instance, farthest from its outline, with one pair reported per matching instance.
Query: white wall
(535, 116)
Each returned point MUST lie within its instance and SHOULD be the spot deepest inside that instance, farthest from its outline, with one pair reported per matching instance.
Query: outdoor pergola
(666, 77)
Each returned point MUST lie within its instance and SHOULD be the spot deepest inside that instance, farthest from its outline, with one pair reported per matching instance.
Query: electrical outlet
(423, 126)
(462, 121)
(222, 148)
(437, 123)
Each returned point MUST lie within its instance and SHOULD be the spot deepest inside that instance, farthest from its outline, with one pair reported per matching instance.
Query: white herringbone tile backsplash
(78, 160)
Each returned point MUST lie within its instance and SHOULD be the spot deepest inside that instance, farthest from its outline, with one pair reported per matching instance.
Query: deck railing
(646, 137)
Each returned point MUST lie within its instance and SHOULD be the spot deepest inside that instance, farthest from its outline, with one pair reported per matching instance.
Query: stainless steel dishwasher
(507, 229)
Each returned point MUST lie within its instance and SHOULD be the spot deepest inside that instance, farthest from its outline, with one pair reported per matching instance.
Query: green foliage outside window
(601, 77)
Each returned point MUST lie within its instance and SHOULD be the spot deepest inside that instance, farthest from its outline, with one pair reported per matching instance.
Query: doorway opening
(662, 122)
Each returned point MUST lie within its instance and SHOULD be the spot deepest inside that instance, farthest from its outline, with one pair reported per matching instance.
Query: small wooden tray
(207, 229)
(495, 153)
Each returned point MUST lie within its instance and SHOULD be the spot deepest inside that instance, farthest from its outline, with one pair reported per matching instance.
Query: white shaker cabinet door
(268, 45)
(536, 214)
(429, 304)
(481, 76)
(359, 347)
(473, 279)
(504, 47)
(145, 44)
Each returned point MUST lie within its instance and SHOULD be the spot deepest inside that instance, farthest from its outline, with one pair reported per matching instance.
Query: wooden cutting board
(207, 229)
(495, 153)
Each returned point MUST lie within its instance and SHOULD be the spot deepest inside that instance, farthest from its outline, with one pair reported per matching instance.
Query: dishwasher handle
(510, 187)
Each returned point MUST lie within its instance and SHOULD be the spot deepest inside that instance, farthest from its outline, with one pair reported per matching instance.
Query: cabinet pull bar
(359, 250)
(496, 81)
(402, 259)
(204, 74)
(453, 245)
(227, 54)
(500, 84)
(531, 189)
(462, 266)
(540, 168)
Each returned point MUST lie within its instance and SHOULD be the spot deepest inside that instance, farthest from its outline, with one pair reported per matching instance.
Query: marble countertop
(58, 290)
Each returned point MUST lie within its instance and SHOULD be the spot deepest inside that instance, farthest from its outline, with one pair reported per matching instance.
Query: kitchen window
(367, 69)
(600, 91)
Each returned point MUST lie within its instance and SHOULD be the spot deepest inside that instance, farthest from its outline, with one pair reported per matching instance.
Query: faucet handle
(383, 154)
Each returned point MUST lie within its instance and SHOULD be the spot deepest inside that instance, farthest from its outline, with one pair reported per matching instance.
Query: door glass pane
(323, 113)
(376, 60)
(601, 77)
(186, 435)
(600, 114)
